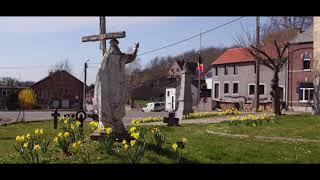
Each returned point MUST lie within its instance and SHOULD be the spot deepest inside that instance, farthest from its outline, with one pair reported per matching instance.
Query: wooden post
(103, 46)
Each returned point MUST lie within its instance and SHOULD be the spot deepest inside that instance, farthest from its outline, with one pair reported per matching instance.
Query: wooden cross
(55, 118)
(103, 36)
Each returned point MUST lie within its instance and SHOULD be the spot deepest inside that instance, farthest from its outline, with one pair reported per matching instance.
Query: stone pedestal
(185, 97)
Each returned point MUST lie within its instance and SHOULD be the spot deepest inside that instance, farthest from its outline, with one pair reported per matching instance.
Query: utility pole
(84, 86)
(199, 88)
(256, 103)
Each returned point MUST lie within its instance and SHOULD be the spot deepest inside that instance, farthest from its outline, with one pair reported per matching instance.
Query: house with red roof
(233, 80)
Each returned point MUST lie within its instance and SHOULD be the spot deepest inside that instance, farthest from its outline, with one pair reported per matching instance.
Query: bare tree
(272, 53)
(63, 64)
(291, 22)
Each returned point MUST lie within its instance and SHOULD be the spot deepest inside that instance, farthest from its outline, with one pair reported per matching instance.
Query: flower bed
(146, 120)
(251, 120)
(199, 115)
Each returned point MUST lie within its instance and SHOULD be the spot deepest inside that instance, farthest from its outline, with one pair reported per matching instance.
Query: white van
(153, 107)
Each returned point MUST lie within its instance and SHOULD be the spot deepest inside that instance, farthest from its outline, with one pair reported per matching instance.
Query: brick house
(233, 80)
(4, 93)
(59, 90)
(300, 73)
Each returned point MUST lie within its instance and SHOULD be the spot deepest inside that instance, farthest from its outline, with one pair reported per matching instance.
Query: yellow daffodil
(25, 145)
(133, 129)
(79, 142)
(101, 129)
(126, 146)
(18, 138)
(78, 124)
(135, 135)
(66, 134)
(174, 146)
(36, 131)
(124, 142)
(59, 134)
(132, 142)
(41, 131)
(66, 121)
(108, 130)
(184, 140)
(72, 126)
(28, 136)
(74, 145)
(37, 147)
(55, 140)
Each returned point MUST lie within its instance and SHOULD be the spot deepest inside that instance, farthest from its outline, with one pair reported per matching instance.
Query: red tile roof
(234, 55)
(239, 55)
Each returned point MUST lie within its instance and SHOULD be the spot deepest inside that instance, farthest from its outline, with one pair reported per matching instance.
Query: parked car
(153, 107)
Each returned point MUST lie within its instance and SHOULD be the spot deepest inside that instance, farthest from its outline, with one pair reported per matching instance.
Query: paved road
(8, 117)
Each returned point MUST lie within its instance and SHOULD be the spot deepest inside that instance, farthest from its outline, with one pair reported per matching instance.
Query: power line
(178, 42)
(24, 67)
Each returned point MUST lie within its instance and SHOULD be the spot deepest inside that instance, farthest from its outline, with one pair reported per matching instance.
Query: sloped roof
(306, 36)
(53, 74)
(234, 55)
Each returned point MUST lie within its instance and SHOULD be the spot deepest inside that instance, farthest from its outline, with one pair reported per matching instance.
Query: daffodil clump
(63, 141)
(107, 140)
(180, 148)
(134, 150)
(158, 138)
(74, 129)
(30, 146)
(199, 115)
(251, 120)
(138, 121)
(93, 125)
(81, 152)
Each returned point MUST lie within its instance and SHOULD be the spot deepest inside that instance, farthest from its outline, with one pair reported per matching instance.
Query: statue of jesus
(110, 88)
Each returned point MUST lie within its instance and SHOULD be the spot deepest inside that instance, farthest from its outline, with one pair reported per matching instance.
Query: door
(65, 103)
(216, 90)
(170, 99)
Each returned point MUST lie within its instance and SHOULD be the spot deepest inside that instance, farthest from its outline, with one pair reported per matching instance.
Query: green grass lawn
(304, 126)
(202, 147)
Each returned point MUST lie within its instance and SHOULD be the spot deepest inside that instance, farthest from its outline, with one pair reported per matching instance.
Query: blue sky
(30, 45)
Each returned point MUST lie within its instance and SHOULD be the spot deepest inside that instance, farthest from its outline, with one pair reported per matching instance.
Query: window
(235, 88)
(251, 89)
(216, 90)
(261, 89)
(4, 92)
(168, 93)
(306, 62)
(225, 70)
(226, 88)
(255, 69)
(306, 94)
(216, 71)
(235, 69)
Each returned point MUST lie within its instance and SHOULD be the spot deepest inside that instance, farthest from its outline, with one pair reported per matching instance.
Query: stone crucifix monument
(110, 86)
(185, 95)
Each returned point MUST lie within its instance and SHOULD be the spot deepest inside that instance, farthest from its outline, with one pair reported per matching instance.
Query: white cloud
(65, 24)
